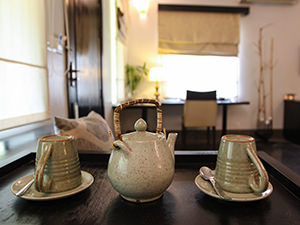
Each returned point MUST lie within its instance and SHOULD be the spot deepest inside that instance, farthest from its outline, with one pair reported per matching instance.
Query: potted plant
(134, 75)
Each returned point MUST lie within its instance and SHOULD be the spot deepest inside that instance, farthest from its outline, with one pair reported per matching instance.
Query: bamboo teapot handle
(134, 102)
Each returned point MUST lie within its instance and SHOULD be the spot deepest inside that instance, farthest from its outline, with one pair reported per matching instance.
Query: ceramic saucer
(32, 194)
(206, 187)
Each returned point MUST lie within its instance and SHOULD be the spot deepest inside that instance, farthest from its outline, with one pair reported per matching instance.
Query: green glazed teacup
(238, 167)
(57, 166)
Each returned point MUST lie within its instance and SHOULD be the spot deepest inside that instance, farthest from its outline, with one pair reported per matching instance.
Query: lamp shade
(156, 74)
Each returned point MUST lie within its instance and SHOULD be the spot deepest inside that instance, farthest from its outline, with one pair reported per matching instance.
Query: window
(200, 73)
(23, 77)
(199, 50)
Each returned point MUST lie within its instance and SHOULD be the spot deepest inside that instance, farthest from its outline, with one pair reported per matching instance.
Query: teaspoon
(206, 174)
(23, 190)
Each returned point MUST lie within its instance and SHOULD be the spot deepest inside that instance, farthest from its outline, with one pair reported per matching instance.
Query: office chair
(200, 110)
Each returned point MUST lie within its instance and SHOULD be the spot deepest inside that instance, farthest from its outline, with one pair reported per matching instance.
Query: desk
(182, 202)
(171, 101)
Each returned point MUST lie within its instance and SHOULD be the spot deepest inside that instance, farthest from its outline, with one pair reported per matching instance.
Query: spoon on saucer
(23, 190)
(206, 174)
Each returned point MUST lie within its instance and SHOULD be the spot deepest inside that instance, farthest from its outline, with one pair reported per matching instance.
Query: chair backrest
(200, 109)
(195, 95)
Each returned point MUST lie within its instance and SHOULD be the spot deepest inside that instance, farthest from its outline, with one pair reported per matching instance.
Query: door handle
(72, 75)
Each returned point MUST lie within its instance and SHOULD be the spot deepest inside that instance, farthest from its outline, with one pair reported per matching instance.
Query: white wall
(56, 64)
(284, 20)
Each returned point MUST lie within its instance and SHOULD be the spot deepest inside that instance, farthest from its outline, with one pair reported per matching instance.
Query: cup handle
(39, 172)
(264, 179)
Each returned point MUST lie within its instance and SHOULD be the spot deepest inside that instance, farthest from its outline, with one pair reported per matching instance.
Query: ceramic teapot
(141, 165)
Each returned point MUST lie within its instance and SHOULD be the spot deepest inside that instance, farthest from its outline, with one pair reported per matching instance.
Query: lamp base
(156, 93)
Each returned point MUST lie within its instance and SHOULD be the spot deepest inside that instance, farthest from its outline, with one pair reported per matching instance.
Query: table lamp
(156, 75)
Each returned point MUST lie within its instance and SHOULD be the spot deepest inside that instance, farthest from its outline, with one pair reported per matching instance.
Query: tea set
(142, 165)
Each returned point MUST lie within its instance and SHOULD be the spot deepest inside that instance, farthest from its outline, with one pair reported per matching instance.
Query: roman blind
(23, 77)
(198, 33)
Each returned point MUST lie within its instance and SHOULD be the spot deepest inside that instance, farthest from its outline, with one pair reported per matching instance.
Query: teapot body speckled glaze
(141, 165)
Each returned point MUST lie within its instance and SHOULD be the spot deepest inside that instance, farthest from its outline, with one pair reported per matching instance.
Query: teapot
(141, 165)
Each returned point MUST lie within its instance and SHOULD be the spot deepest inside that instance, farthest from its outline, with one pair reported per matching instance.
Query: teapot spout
(171, 141)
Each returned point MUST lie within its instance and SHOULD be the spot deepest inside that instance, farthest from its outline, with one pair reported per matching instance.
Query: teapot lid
(141, 134)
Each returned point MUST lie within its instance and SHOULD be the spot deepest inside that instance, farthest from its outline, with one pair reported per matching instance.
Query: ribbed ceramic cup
(57, 166)
(238, 167)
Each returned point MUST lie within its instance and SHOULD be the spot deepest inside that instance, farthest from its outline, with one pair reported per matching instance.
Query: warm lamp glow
(156, 74)
(141, 6)
(289, 96)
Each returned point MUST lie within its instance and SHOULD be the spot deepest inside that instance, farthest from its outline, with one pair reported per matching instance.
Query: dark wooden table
(182, 203)
(169, 102)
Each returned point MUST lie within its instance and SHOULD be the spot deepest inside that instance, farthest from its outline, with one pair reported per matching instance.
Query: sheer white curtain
(23, 77)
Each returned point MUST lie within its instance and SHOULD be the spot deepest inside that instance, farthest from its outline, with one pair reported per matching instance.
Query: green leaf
(134, 75)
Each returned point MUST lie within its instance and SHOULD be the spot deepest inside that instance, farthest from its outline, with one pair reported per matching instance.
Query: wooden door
(85, 93)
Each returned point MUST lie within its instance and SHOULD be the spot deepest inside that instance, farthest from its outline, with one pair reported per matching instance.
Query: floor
(277, 146)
